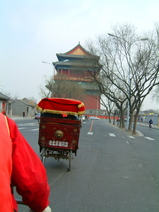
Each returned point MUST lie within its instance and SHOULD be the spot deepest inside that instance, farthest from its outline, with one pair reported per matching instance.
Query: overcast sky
(33, 31)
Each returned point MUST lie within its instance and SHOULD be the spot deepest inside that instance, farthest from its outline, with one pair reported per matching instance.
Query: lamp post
(51, 65)
(97, 108)
(128, 108)
(59, 63)
(129, 80)
(54, 66)
(53, 73)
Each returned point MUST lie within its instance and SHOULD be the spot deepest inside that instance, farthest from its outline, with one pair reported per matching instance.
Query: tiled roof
(2, 96)
(83, 51)
(24, 102)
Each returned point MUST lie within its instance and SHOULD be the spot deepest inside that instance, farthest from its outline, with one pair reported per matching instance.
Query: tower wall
(68, 64)
(91, 102)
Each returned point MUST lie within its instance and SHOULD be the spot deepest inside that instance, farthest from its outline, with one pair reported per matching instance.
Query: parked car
(94, 117)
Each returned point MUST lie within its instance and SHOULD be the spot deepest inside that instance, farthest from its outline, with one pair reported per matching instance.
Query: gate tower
(73, 65)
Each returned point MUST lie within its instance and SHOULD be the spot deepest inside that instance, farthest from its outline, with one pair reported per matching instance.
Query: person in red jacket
(6, 203)
(20, 167)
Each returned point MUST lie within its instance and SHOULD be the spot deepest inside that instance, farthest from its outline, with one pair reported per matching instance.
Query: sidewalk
(147, 125)
(138, 124)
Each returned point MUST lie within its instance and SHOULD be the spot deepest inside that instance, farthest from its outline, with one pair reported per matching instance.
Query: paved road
(113, 171)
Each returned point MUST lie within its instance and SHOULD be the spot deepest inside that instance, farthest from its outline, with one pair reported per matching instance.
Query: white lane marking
(90, 133)
(127, 142)
(149, 138)
(22, 128)
(131, 137)
(112, 134)
(27, 124)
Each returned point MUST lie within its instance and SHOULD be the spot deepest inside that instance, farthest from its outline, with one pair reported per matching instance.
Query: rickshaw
(59, 128)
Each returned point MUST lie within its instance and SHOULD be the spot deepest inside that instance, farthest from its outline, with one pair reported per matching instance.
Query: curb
(126, 131)
(139, 133)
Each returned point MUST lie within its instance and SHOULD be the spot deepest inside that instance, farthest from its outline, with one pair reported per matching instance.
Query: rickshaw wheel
(70, 158)
(42, 154)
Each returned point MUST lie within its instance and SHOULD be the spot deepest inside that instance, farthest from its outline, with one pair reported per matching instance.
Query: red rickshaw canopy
(61, 106)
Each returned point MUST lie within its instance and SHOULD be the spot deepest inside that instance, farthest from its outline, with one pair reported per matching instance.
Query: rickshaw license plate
(58, 143)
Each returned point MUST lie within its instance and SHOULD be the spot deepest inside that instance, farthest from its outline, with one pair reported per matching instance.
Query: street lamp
(54, 66)
(97, 108)
(129, 80)
(59, 63)
(128, 107)
(112, 35)
(51, 65)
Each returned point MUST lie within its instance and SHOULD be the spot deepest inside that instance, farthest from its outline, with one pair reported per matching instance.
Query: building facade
(75, 64)
(23, 108)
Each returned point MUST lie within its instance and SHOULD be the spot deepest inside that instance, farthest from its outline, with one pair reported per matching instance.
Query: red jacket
(6, 203)
(28, 173)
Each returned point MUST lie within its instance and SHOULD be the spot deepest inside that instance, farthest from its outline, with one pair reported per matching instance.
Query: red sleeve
(29, 175)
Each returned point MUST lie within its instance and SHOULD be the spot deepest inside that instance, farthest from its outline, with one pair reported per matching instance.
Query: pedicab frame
(59, 128)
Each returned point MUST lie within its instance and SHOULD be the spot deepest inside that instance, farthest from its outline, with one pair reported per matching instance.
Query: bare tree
(44, 90)
(62, 87)
(155, 95)
(11, 95)
(129, 67)
(110, 107)
(32, 99)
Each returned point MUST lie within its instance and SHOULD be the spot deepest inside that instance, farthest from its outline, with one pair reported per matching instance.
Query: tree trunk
(109, 118)
(114, 120)
(130, 121)
(134, 126)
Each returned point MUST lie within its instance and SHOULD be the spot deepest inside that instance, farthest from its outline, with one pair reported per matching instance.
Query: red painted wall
(91, 103)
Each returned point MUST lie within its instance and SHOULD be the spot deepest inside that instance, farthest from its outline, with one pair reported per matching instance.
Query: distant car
(37, 116)
(125, 119)
(83, 118)
(94, 117)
